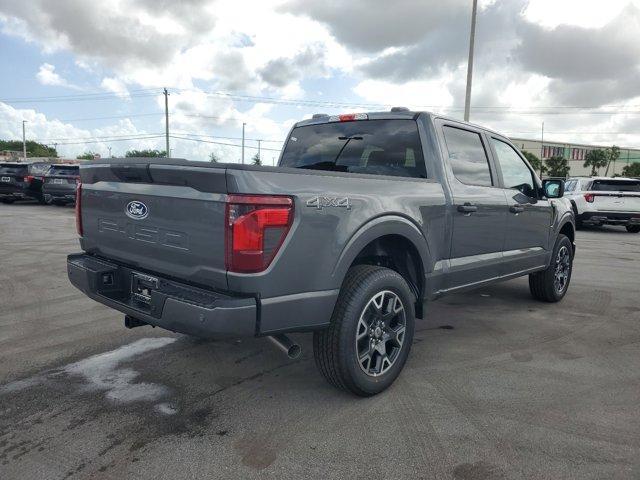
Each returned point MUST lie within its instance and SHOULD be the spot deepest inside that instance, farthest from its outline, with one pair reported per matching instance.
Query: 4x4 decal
(321, 202)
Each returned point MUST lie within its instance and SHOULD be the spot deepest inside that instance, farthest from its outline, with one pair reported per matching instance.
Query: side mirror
(553, 188)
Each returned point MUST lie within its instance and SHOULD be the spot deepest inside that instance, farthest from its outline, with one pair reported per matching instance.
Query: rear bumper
(183, 308)
(59, 193)
(173, 306)
(610, 218)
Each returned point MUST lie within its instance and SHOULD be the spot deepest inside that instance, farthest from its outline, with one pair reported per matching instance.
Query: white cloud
(116, 86)
(47, 76)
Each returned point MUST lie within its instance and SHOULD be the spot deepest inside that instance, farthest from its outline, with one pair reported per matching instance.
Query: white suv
(605, 201)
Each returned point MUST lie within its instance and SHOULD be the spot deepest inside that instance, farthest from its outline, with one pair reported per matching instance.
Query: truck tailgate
(157, 217)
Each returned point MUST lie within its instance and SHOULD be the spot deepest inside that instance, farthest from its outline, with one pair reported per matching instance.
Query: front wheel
(369, 338)
(633, 228)
(551, 285)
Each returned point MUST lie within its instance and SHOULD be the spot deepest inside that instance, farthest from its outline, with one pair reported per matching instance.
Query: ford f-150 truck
(366, 219)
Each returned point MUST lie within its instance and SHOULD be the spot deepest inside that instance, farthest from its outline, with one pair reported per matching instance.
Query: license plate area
(6, 179)
(58, 181)
(142, 286)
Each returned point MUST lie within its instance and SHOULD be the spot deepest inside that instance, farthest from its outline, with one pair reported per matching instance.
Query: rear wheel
(365, 347)
(633, 228)
(552, 284)
(8, 200)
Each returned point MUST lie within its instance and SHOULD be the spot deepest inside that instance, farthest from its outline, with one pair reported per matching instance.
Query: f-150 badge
(322, 202)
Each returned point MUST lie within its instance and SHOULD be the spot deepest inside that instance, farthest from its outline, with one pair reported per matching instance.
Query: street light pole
(243, 125)
(166, 120)
(24, 142)
(472, 37)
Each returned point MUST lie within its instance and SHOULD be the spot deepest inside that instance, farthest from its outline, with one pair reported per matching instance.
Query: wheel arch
(393, 242)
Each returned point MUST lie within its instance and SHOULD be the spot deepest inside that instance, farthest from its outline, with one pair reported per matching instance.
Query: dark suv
(60, 182)
(21, 181)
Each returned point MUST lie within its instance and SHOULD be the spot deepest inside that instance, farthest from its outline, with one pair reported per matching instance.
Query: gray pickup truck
(366, 219)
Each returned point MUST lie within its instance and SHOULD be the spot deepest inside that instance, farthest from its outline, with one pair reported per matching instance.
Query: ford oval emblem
(136, 210)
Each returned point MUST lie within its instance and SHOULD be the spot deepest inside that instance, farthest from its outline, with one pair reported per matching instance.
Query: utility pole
(472, 37)
(109, 152)
(259, 149)
(55, 148)
(243, 124)
(541, 149)
(24, 142)
(166, 119)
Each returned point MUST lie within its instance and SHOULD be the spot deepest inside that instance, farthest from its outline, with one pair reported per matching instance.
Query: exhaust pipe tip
(288, 346)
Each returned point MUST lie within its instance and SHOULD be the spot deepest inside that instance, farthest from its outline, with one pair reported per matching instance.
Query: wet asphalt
(497, 386)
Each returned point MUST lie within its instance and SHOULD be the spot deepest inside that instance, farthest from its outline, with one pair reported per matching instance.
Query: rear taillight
(255, 228)
(29, 178)
(589, 197)
(79, 208)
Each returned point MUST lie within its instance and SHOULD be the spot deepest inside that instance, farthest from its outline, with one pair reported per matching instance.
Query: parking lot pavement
(496, 386)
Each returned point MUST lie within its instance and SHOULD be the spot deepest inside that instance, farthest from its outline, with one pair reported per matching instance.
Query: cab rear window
(615, 186)
(378, 147)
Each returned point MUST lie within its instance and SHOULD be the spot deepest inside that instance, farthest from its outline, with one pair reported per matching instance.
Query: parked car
(20, 181)
(605, 201)
(60, 184)
(367, 218)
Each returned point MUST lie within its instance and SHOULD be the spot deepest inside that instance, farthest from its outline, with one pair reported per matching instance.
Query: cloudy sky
(88, 75)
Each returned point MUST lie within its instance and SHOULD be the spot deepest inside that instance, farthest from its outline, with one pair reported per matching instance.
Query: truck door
(479, 206)
(529, 216)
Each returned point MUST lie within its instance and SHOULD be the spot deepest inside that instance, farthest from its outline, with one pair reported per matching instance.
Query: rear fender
(376, 228)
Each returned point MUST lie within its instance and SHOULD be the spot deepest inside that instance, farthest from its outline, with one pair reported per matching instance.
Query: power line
(223, 143)
(112, 140)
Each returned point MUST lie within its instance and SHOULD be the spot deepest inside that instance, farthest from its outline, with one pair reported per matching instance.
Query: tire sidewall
(384, 279)
(563, 240)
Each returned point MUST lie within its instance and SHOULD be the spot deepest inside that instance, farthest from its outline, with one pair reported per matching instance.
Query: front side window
(515, 172)
(379, 147)
(467, 156)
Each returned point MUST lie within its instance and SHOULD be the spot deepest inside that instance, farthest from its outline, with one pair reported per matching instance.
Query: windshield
(616, 186)
(64, 170)
(13, 169)
(379, 147)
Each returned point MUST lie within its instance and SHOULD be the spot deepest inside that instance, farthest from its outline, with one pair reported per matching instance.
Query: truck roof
(395, 114)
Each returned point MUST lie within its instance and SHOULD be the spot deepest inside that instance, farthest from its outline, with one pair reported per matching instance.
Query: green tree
(631, 170)
(146, 153)
(213, 158)
(535, 162)
(86, 156)
(34, 149)
(596, 159)
(613, 154)
(557, 167)
(255, 160)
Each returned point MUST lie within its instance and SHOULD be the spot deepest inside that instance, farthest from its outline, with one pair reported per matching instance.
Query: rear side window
(64, 170)
(378, 147)
(615, 186)
(467, 156)
(14, 169)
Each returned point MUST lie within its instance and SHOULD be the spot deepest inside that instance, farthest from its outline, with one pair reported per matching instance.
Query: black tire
(58, 203)
(336, 348)
(8, 200)
(633, 228)
(543, 285)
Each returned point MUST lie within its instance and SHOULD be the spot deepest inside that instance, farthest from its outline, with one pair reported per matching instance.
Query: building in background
(575, 154)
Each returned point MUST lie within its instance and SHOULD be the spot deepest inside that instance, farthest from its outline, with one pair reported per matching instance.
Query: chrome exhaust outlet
(287, 345)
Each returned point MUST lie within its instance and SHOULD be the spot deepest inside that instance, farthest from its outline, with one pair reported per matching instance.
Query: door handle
(467, 208)
(516, 209)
